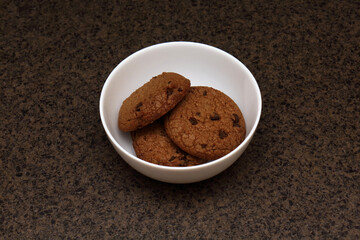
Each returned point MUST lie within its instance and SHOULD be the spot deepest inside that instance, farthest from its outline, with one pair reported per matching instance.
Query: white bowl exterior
(204, 66)
(181, 175)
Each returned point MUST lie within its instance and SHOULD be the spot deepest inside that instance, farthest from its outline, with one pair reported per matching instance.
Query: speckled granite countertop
(61, 179)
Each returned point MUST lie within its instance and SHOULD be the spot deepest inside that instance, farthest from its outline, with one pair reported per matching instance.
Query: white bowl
(204, 66)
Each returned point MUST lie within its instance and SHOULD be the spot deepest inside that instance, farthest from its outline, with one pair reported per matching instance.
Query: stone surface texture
(60, 178)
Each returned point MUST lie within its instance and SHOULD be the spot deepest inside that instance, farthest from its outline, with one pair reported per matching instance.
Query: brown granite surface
(61, 179)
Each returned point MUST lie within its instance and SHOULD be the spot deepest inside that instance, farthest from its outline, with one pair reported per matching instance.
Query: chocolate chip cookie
(151, 101)
(152, 144)
(206, 123)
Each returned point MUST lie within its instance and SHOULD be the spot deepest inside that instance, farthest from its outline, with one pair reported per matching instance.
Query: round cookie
(152, 144)
(206, 123)
(151, 101)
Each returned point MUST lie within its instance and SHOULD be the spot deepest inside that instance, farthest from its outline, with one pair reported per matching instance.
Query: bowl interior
(203, 65)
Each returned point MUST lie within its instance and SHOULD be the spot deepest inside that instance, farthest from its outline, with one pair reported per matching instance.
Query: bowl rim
(186, 44)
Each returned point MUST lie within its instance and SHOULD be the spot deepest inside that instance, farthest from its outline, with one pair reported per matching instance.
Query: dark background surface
(61, 179)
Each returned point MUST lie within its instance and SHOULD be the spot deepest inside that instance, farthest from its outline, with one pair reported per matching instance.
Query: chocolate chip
(169, 82)
(137, 108)
(169, 91)
(214, 117)
(205, 93)
(180, 89)
(172, 158)
(236, 120)
(203, 145)
(222, 134)
(198, 113)
(193, 121)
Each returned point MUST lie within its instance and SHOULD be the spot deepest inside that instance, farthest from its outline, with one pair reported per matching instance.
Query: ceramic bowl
(203, 65)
